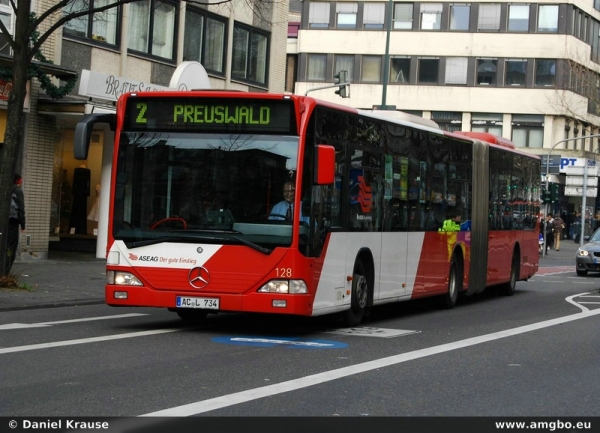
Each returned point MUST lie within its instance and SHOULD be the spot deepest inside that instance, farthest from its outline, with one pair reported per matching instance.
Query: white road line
(59, 322)
(328, 376)
(85, 340)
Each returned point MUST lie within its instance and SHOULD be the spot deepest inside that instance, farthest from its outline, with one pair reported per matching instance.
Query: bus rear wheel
(359, 296)
(191, 315)
(448, 301)
(508, 289)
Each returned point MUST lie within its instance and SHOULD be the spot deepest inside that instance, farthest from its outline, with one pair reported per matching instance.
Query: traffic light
(553, 192)
(341, 78)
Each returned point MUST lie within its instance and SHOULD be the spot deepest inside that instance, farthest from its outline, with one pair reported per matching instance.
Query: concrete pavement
(66, 278)
(76, 278)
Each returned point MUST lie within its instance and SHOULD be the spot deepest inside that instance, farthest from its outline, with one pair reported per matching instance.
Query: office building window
(487, 122)
(528, 130)
(487, 72)
(374, 15)
(518, 18)
(428, 71)
(399, 69)
(548, 19)
(250, 54)
(204, 40)
(528, 136)
(431, 16)
(459, 17)
(101, 27)
(403, 16)
(344, 63)
(371, 69)
(456, 70)
(346, 15)
(516, 70)
(448, 120)
(152, 25)
(489, 17)
(7, 18)
(316, 66)
(545, 72)
(318, 15)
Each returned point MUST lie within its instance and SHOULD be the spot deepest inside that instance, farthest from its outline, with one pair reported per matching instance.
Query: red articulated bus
(195, 223)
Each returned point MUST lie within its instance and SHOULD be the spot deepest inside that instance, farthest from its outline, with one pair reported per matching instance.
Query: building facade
(237, 45)
(526, 71)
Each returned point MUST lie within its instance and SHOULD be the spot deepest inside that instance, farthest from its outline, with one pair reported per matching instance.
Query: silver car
(588, 255)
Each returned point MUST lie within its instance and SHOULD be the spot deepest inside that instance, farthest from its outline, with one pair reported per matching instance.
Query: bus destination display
(239, 115)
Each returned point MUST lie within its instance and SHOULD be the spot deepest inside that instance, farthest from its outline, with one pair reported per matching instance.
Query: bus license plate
(204, 303)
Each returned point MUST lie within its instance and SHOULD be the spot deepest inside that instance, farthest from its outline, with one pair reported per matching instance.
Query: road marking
(60, 322)
(85, 340)
(328, 376)
(366, 331)
(292, 342)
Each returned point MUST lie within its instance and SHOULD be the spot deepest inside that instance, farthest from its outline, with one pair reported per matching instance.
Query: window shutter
(374, 13)
(319, 13)
(489, 17)
(456, 70)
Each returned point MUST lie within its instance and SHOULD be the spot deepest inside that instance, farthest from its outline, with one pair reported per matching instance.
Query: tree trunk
(15, 122)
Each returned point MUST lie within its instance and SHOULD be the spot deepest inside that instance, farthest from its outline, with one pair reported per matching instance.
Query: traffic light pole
(547, 183)
(326, 87)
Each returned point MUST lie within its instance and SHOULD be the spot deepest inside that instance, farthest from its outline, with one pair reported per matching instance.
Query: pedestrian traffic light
(546, 196)
(341, 78)
(553, 192)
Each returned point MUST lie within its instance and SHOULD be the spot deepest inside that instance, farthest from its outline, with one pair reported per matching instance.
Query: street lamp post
(584, 185)
(386, 58)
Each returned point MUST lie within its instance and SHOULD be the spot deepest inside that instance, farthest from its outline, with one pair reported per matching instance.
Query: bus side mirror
(324, 165)
(83, 132)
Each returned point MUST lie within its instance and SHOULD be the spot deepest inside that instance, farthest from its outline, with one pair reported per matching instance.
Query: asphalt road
(534, 354)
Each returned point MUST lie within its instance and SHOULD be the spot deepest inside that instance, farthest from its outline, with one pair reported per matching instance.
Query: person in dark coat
(16, 219)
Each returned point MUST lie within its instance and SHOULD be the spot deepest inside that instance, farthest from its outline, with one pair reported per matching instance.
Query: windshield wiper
(144, 243)
(249, 244)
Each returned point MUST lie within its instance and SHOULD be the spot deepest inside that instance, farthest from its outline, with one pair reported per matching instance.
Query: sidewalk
(68, 278)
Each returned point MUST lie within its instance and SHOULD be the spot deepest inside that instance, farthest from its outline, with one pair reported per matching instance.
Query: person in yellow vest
(452, 224)
(450, 227)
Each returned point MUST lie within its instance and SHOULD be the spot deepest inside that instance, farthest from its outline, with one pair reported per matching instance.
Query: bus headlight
(284, 286)
(122, 279)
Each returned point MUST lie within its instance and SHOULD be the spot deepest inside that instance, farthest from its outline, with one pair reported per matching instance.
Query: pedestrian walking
(16, 218)
(558, 225)
(549, 233)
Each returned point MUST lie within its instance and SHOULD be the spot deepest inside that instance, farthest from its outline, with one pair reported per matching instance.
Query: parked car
(588, 255)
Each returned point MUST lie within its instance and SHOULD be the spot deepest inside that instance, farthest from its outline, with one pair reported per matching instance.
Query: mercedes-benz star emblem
(198, 277)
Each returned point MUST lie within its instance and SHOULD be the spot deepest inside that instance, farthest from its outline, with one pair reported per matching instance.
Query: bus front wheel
(358, 297)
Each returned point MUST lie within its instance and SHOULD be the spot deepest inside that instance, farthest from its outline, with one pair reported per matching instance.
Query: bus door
(372, 210)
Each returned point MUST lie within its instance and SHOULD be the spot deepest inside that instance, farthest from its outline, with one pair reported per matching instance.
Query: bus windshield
(209, 188)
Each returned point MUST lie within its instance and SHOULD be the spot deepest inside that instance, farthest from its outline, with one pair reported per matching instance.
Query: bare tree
(579, 95)
(30, 33)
